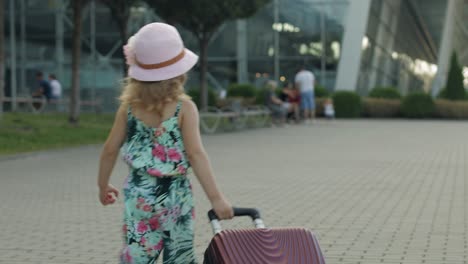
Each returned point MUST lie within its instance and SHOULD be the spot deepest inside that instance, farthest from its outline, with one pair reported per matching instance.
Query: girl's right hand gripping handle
(252, 212)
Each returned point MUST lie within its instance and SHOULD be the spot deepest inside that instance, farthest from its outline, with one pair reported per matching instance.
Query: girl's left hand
(108, 195)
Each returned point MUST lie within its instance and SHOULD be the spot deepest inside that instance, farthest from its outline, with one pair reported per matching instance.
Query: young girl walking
(157, 130)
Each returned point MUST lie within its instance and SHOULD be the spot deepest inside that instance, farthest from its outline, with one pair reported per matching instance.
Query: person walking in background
(56, 87)
(43, 88)
(305, 82)
(157, 130)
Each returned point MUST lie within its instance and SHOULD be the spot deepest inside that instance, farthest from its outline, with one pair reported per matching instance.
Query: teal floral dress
(158, 211)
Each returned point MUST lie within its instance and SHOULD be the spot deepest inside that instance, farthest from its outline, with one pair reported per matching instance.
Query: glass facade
(395, 51)
(309, 32)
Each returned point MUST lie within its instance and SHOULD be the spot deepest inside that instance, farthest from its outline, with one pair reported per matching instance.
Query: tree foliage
(203, 18)
(455, 89)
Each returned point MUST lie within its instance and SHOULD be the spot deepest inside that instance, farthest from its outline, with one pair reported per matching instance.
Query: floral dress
(158, 211)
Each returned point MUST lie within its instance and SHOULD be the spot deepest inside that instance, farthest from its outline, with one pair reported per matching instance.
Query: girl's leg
(143, 236)
(178, 234)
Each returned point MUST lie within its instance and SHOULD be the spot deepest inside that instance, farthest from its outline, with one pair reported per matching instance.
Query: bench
(233, 118)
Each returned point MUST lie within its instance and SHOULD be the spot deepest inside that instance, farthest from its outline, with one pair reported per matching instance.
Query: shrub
(241, 90)
(455, 88)
(347, 104)
(451, 109)
(385, 93)
(381, 108)
(320, 91)
(418, 105)
(261, 94)
(443, 94)
(195, 94)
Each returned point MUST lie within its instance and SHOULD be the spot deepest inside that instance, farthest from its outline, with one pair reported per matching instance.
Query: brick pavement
(373, 191)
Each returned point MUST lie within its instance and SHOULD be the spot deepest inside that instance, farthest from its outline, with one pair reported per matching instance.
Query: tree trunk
(2, 55)
(203, 70)
(76, 52)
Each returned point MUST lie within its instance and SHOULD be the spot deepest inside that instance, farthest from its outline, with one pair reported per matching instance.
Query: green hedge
(241, 90)
(455, 88)
(385, 93)
(381, 108)
(320, 91)
(195, 94)
(418, 105)
(347, 104)
(443, 95)
(451, 110)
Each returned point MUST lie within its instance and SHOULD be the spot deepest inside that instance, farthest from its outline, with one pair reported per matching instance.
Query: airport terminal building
(348, 44)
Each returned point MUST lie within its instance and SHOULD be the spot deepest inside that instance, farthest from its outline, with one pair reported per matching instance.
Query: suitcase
(261, 245)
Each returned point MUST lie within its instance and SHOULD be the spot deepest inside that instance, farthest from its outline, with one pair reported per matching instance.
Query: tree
(2, 54)
(120, 10)
(76, 53)
(455, 89)
(203, 18)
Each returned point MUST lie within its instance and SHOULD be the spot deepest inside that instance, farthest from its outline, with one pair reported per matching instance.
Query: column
(59, 33)
(354, 32)
(22, 86)
(13, 54)
(276, 40)
(242, 60)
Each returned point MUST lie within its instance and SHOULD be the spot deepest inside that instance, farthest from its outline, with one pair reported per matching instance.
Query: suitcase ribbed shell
(264, 246)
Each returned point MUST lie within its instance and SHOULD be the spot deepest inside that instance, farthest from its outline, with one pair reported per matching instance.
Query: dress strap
(177, 111)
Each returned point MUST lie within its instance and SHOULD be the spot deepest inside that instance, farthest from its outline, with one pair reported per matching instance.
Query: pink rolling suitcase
(261, 245)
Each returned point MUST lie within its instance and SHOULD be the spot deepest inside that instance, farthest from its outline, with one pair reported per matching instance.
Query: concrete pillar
(22, 87)
(242, 62)
(13, 54)
(445, 48)
(354, 32)
(59, 35)
(276, 41)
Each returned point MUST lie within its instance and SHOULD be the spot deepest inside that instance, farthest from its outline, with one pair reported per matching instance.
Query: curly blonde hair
(152, 96)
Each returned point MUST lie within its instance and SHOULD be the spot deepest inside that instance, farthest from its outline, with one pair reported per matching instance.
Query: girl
(157, 129)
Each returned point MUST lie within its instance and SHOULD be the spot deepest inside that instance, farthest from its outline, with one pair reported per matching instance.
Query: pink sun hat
(156, 53)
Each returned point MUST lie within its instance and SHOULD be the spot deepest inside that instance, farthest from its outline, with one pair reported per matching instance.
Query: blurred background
(349, 44)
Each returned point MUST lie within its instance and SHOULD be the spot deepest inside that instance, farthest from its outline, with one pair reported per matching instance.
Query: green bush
(195, 94)
(347, 104)
(418, 105)
(241, 90)
(381, 108)
(260, 96)
(320, 91)
(385, 93)
(455, 88)
(443, 94)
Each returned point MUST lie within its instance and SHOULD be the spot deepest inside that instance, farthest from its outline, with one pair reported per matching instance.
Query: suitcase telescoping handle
(252, 212)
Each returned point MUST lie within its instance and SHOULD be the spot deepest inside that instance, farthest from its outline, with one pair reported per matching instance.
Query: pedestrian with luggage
(157, 130)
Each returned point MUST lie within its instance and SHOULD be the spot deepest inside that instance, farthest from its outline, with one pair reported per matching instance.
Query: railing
(233, 118)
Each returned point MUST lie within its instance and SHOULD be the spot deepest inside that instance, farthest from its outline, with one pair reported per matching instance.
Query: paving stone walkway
(373, 191)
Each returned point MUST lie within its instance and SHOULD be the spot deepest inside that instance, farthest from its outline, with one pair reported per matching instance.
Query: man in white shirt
(56, 87)
(305, 81)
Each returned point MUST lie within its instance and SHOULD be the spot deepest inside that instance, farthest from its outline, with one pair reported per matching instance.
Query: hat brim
(182, 66)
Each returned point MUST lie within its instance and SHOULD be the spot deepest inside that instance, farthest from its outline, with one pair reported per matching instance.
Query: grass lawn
(24, 132)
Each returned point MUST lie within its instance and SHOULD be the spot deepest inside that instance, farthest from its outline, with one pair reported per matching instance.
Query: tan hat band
(162, 64)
